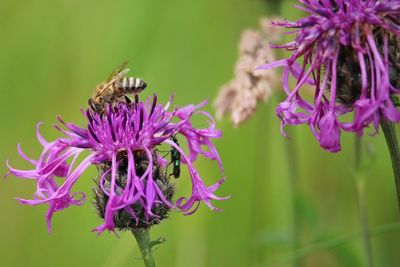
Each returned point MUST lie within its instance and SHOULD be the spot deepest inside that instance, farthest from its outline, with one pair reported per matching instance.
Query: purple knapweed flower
(348, 51)
(123, 143)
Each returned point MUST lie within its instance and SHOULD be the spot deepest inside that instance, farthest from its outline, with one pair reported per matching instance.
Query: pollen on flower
(134, 216)
(240, 96)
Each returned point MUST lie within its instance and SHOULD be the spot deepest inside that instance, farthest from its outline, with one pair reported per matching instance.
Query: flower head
(348, 50)
(123, 143)
(242, 94)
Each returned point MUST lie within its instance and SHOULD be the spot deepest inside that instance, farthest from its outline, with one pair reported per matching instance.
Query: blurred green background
(52, 55)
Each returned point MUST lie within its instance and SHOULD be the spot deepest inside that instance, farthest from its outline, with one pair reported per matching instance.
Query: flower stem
(362, 207)
(364, 222)
(294, 175)
(257, 223)
(389, 130)
(143, 239)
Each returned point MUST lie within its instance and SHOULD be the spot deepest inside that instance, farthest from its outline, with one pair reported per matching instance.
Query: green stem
(389, 130)
(362, 207)
(363, 220)
(293, 169)
(143, 239)
(294, 175)
(357, 153)
(257, 222)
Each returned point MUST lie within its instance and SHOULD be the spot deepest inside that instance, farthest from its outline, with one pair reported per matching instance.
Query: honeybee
(115, 89)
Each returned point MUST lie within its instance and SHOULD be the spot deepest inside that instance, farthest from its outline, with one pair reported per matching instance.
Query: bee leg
(136, 99)
(90, 101)
(92, 105)
(127, 99)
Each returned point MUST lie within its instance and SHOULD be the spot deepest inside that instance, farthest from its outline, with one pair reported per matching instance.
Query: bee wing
(117, 70)
(112, 79)
(117, 76)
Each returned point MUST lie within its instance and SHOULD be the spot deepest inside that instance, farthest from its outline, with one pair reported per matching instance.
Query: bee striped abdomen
(130, 85)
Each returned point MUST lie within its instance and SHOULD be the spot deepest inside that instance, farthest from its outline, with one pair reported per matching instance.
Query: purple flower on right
(349, 52)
